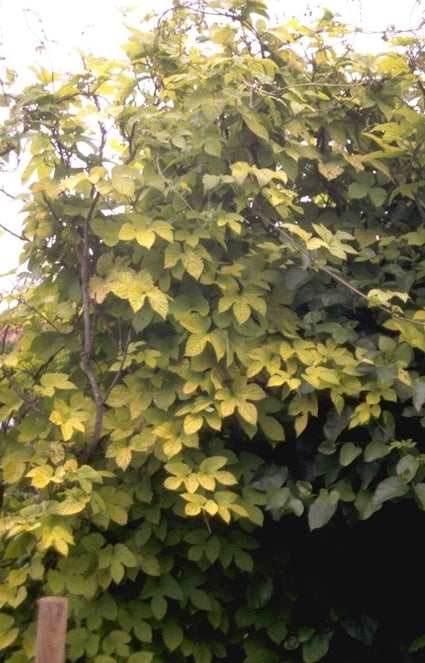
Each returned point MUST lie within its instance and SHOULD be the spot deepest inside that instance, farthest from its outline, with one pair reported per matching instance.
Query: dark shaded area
(371, 572)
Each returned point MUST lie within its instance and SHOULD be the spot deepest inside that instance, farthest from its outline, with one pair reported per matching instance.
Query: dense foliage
(213, 417)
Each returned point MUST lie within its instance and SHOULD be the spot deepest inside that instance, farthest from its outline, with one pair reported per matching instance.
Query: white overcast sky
(97, 26)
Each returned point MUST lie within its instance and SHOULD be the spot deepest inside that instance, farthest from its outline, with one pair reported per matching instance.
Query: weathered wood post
(51, 630)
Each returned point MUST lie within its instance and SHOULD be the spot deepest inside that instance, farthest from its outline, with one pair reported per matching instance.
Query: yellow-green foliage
(223, 340)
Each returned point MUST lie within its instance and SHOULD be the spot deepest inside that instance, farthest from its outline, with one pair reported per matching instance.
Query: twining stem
(88, 316)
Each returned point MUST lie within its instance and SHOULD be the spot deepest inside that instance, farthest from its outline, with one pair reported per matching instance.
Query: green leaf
(41, 476)
(362, 628)
(123, 185)
(330, 170)
(127, 232)
(123, 457)
(357, 190)
(413, 334)
(219, 341)
(419, 489)
(8, 632)
(225, 478)
(379, 297)
(378, 196)
(202, 652)
(200, 599)
(260, 593)
(117, 571)
(172, 634)
(107, 230)
(212, 548)
(158, 606)
(240, 171)
(210, 182)
(150, 565)
(417, 644)
(75, 501)
(170, 587)
(257, 653)
(212, 464)
(389, 489)
(305, 633)
(124, 555)
(272, 428)
(418, 396)
(320, 513)
(348, 453)
(248, 412)
(145, 237)
(278, 631)
(316, 648)
(407, 467)
(141, 657)
(195, 344)
(142, 630)
(193, 263)
(93, 541)
(192, 423)
(241, 310)
(376, 449)
(159, 302)
(52, 381)
(244, 561)
(254, 125)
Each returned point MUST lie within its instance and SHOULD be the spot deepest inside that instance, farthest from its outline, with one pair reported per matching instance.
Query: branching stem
(88, 328)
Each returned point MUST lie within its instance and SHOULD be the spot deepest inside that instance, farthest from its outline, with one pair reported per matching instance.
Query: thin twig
(6, 193)
(34, 310)
(173, 187)
(10, 232)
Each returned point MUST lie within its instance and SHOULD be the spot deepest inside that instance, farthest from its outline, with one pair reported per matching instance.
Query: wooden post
(51, 630)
